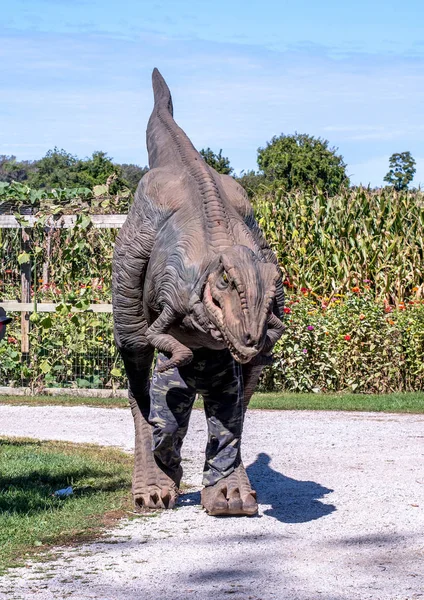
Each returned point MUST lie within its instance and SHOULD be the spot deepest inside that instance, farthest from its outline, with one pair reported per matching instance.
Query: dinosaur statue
(193, 278)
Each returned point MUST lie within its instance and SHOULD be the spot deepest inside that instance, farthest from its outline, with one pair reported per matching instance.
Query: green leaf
(100, 190)
(46, 322)
(74, 319)
(45, 366)
(24, 258)
(82, 304)
(116, 372)
(63, 308)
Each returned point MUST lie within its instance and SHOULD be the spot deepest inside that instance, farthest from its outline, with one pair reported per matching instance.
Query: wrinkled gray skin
(191, 270)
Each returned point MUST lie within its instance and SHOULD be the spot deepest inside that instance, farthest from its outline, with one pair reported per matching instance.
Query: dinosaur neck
(168, 145)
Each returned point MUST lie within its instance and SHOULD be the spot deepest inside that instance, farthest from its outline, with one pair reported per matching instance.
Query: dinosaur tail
(161, 93)
(167, 144)
(169, 147)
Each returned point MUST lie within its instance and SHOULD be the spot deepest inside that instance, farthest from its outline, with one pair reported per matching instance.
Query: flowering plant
(353, 345)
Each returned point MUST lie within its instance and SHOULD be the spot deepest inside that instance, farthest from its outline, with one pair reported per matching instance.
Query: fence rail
(12, 306)
(64, 221)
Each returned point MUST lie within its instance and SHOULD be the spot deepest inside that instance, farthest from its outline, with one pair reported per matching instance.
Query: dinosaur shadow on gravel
(291, 501)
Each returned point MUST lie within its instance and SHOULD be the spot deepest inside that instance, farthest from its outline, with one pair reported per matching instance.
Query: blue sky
(77, 75)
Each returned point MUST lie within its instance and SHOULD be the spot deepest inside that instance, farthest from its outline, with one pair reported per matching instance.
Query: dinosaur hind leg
(151, 487)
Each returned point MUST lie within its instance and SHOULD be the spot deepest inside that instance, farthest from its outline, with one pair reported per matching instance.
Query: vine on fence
(71, 267)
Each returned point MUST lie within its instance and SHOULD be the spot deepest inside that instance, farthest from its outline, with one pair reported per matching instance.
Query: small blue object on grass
(64, 493)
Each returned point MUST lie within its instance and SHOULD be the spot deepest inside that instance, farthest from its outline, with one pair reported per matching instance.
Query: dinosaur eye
(223, 281)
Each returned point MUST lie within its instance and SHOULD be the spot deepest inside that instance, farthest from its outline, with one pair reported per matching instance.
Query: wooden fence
(26, 306)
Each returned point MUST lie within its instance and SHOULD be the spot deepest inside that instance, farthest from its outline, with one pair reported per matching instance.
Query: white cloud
(93, 92)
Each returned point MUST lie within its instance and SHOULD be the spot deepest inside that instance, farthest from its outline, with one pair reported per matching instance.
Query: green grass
(32, 519)
(47, 400)
(408, 402)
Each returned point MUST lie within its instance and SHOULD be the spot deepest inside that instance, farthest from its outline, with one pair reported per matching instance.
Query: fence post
(25, 292)
(48, 232)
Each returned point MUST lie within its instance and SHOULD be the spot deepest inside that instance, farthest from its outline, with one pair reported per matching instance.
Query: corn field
(330, 245)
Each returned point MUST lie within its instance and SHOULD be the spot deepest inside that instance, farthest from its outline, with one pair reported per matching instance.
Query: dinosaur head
(238, 298)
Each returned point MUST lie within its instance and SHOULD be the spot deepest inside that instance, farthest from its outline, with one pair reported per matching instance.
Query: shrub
(348, 343)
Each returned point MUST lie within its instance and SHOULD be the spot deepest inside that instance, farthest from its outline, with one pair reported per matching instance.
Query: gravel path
(341, 515)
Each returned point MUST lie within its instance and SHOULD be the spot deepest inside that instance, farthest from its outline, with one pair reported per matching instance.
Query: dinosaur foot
(157, 490)
(232, 495)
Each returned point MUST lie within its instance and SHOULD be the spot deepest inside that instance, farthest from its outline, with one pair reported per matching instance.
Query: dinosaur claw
(166, 498)
(155, 500)
(232, 495)
(174, 362)
(250, 506)
(235, 503)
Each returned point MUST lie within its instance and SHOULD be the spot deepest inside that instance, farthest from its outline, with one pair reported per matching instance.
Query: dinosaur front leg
(159, 338)
(227, 488)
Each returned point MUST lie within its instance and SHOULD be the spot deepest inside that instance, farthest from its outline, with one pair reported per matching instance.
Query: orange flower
(401, 306)
(355, 289)
(347, 338)
(390, 322)
(361, 317)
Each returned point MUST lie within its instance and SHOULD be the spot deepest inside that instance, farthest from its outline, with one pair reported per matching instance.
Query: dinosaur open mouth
(220, 332)
(241, 356)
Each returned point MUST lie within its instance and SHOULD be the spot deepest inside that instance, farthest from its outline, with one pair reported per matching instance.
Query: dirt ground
(341, 515)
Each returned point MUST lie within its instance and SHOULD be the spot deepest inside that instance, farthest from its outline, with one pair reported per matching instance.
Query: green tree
(60, 169)
(96, 170)
(251, 181)
(402, 170)
(131, 174)
(217, 161)
(303, 162)
(55, 170)
(14, 170)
